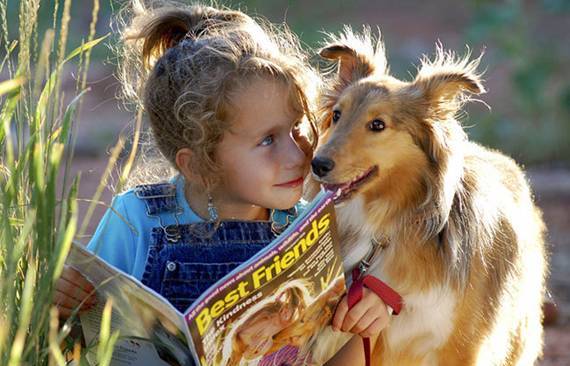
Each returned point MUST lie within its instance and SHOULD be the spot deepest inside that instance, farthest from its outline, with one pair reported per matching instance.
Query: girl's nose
(295, 154)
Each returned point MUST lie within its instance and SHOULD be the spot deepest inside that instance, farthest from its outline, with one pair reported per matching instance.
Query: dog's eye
(377, 125)
(335, 116)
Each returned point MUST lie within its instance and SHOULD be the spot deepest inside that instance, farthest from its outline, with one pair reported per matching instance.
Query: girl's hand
(73, 291)
(367, 317)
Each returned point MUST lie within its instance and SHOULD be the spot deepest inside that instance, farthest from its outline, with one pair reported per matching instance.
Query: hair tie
(191, 44)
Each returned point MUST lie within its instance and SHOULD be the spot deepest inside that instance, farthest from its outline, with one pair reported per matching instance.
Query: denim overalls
(182, 262)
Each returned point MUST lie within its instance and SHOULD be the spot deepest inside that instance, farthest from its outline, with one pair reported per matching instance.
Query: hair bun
(166, 27)
(149, 28)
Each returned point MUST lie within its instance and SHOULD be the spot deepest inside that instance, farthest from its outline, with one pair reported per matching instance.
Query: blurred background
(525, 114)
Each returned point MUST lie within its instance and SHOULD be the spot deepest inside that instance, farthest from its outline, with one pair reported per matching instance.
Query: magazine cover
(274, 309)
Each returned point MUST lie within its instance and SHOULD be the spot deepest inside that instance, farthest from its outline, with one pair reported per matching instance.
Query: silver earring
(212, 210)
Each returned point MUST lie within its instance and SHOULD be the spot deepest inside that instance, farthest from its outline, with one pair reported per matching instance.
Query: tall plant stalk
(38, 214)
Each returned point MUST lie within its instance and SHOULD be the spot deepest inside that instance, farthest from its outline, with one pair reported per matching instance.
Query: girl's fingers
(364, 312)
(62, 300)
(72, 290)
(340, 313)
(375, 319)
(365, 321)
(72, 275)
(67, 305)
(64, 313)
(375, 328)
(354, 314)
(362, 315)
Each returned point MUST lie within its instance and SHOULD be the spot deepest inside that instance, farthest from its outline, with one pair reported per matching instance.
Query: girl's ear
(357, 55)
(183, 161)
(444, 82)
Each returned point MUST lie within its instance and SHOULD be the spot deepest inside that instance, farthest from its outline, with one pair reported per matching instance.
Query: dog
(454, 225)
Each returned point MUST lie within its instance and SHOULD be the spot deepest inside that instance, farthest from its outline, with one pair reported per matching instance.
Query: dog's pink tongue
(333, 187)
(338, 188)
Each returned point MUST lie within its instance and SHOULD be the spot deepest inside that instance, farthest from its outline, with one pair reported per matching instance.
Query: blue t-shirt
(124, 233)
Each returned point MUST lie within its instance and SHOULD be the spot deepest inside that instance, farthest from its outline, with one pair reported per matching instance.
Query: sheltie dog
(454, 223)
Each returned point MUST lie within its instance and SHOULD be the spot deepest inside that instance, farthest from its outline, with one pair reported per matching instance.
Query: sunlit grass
(38, 209)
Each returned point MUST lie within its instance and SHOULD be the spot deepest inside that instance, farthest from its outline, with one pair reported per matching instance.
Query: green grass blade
(26, 306)
(106, 339)
(66, 236)
(84, 47)
(47, 92)
(54, 341)
(8, 110)
(11, 85)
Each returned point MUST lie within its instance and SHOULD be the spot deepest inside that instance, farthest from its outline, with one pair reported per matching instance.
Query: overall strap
(161, 198)
(158, 197)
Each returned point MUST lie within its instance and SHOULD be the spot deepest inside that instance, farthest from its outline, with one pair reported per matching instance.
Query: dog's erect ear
(445, 82)
(356, 54)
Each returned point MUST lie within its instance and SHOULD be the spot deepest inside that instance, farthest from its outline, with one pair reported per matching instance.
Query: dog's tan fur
(465, 244)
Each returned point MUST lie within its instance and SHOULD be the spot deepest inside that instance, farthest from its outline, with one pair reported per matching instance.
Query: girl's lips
(292, 183)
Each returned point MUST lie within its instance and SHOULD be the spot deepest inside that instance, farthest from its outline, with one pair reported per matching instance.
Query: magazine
(274, 309)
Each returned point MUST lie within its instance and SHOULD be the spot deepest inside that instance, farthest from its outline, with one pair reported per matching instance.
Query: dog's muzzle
(322, 166)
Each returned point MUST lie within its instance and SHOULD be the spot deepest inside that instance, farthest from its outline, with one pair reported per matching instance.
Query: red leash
(385, 292)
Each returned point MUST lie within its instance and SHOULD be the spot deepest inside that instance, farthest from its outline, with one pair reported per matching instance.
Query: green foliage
(38, 218)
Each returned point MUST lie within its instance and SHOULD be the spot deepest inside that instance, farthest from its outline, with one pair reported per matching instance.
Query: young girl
(228, 102)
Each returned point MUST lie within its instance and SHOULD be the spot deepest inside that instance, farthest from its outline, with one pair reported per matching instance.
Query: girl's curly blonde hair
(184, 63)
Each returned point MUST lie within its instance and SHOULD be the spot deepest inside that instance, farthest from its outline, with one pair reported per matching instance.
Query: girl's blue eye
(267, 141)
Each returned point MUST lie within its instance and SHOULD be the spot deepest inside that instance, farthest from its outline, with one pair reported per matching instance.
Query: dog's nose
(322, 166)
